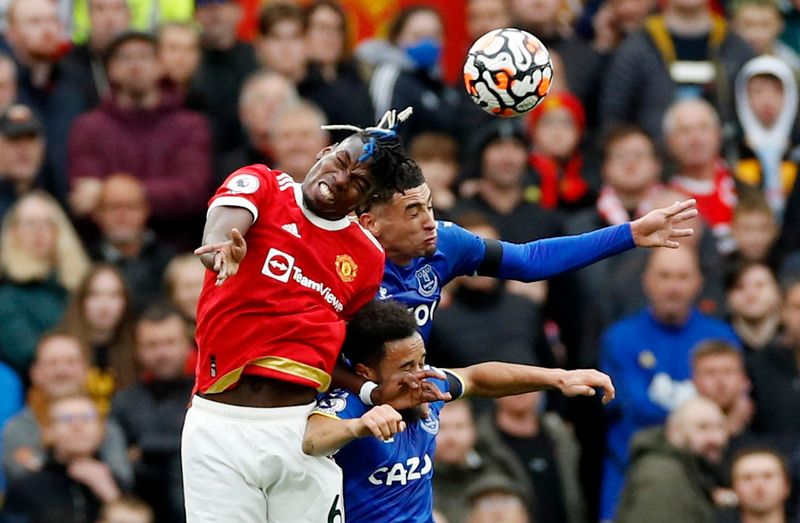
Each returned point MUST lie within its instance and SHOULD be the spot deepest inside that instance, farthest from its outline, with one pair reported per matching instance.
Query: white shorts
(246, 465)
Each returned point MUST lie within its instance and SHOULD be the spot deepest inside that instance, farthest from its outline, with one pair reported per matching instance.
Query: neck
(677, 319)
(631, 199)
(223, 43)
(147, 100)
(260, 141)
(695, 21)
(66, 458)
(328, 71)
(543, 30)
(501, 199)
(757, 332)
(520, 425)
(398, 258)
(699, 172)
(129, 249)
(40, 72)
(776, 516)
(101, 336)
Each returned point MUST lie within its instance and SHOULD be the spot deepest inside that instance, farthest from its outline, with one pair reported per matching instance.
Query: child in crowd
(556, 129)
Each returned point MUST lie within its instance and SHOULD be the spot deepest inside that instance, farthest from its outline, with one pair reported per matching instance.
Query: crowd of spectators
(119, 118)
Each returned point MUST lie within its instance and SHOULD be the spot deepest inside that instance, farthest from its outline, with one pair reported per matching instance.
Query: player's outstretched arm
(543, 259)
(224, 246)
(325, 435)
(494, 379)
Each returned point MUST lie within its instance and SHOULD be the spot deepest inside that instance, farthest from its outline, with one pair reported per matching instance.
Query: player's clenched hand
(583, 382)
(227, 255)
(404, 390)
(657, 228)
(381, 421)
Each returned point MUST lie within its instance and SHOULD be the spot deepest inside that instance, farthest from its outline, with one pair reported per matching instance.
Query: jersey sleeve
(464, 251)
(250, 188)
(543, 259)
(339, 404)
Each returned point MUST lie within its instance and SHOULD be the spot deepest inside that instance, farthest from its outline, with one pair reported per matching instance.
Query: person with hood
(408, 73)
(766, 104)
(144, 131)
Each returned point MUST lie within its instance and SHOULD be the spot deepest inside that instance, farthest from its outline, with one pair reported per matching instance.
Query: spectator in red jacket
(143, 131)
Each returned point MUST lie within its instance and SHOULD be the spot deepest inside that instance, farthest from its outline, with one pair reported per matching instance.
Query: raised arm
(326, 434)
(494, 379)
(402, 390)
(224, 246)
(543, 259)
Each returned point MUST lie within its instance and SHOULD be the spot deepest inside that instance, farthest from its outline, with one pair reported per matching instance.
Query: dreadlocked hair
(392, 170)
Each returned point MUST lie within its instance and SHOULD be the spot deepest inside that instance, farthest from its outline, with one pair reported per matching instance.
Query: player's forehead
(352, 147)
(412, 347)
(421, 194)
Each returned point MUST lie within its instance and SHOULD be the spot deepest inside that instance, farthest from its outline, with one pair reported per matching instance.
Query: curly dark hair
(374, 325)
(392, 169)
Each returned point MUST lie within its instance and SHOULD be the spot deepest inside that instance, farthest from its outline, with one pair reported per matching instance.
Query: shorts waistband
(251, 413)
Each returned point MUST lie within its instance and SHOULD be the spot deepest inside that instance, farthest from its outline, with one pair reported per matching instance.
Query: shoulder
(365, 236)
(339, 404)
(451, 235)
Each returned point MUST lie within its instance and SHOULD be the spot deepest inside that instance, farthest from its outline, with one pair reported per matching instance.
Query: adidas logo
(291, 228)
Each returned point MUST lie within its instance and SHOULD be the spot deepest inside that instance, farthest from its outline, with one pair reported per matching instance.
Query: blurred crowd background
(118, 119)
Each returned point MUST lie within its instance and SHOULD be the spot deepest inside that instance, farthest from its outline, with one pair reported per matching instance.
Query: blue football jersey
(386, 480)
(419, 284)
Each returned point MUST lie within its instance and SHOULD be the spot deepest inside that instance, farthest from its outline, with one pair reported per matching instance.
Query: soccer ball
(508, 72)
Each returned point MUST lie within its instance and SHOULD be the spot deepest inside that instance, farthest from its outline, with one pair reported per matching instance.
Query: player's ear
(367, 220)
(325, 150)
(368, 373)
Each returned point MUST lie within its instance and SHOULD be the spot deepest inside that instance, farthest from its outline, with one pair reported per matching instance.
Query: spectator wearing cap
(37, 40)
(494, 499)
(108, 18)
(8, 81)
(556, 130)
(144, 131)
(225, 65)
(22, 152)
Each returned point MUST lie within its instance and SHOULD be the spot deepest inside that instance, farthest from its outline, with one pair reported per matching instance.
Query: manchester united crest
(346, 268)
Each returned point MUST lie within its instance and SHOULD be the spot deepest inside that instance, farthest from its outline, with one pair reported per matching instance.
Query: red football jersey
(283, 314)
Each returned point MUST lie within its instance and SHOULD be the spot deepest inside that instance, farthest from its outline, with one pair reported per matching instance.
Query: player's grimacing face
(338, 182)
(405, 226)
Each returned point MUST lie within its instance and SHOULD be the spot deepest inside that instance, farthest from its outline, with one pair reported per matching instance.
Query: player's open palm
(227, 255)
(381, 421)
(405, 390)
(583, 382)
(660, 227)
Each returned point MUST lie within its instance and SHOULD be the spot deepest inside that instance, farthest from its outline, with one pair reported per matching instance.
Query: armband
(365, 394)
